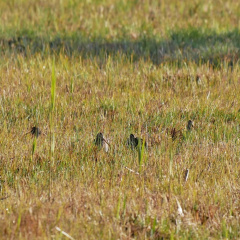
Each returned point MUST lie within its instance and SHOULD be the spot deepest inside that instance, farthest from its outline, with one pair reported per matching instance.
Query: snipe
(35, 131)
(134, 141)
(100, 142)
(189, 125)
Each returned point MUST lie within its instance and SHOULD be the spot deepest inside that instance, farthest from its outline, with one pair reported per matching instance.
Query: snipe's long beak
(27, 133)
(106, 142)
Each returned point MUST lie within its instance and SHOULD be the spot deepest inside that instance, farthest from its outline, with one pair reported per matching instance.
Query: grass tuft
(119, 67)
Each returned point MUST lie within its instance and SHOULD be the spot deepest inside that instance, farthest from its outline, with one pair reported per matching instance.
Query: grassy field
(76, 68)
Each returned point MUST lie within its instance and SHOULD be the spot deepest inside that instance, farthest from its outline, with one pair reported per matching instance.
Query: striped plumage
(189, 125)
(100, 142)
(134, 141)
(35, 131)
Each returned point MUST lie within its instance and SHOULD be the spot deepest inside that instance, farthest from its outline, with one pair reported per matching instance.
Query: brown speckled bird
(100, 142)
(134, 141)
(189, 125)
(35, 131)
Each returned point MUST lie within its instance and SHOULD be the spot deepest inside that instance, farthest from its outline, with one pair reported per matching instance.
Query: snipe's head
(99, 140)
(132, 137)
(189, 125)
(35, 131)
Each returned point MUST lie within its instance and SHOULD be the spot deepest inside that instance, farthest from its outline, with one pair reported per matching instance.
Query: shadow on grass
(181, 46)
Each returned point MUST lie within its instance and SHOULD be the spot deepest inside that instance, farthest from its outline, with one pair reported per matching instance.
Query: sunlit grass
(122, 67)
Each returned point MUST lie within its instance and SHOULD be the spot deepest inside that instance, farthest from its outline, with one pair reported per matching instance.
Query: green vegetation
(76, 68)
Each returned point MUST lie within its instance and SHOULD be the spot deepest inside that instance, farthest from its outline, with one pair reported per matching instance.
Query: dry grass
(110, 79)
